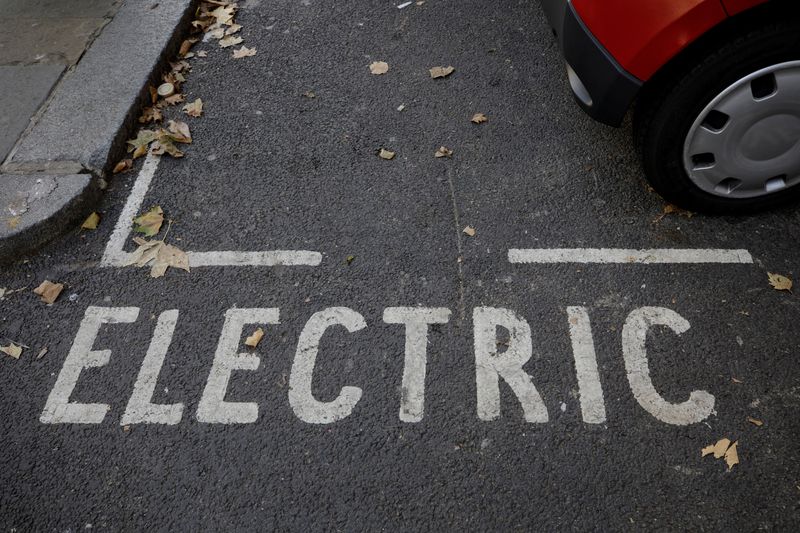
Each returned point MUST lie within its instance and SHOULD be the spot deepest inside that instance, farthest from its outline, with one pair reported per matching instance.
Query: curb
(53, 175)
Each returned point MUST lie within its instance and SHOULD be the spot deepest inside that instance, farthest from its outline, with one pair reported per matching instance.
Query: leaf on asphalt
(140, 151)
(469, 230)
(233, 29)
(91, 221)
(202, 53)
(718, 449)
(216, 33)
(123, 166)
(379, 67)
(13, 222)
(479, 118)
(175, 99)
(779, 283)
(42, 352)
(231, 40)
(149, 224)
(732, 456)
(224, 14)
(253, 340)
(349, 259)
(143, 138)
(12, 350)
(386, 154)
(310, 94)
(158, 255)
(194, 109)
(49, 291)
(441, 72)
(151, 114)
(244, 52)
(735, 380)
(443, 151)
(179, 131)
(755, 421)
(186, 45)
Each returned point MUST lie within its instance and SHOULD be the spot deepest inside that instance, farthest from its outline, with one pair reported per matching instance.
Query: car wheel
(722, 135)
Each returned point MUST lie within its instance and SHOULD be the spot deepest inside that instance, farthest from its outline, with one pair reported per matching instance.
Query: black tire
(671, 101)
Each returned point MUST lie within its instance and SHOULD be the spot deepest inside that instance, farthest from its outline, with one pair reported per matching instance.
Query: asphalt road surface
(411, 376)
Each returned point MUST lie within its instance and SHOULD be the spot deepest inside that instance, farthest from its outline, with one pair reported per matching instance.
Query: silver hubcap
(746, 142)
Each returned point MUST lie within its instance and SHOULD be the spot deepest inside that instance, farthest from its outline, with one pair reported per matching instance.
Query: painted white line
(622, 255)
(116, 256)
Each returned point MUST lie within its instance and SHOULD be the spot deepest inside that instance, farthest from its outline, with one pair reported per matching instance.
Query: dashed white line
(629, 256)
(116, 256)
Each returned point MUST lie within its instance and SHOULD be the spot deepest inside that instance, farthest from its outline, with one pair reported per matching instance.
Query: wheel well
(727, 30)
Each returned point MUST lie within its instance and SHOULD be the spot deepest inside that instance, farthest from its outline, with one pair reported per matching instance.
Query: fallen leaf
(145, 253)
(151, 114)
(149, 224)
(721, 447)
(736, 380)
(349, 259)
(441, 72)
(194, 109)
(443, 151)
(49, 291)
(224, 14)
(186, 46)
(707, 450)
(143, 138)
(401, 107)
(233, 29)
(123, 166)
(479, 118)
(310, 94)
(231, 40)
(732, 456)
(779, 283)
(175, 99)
(386, 154)
(169, 256)
(469, 230)
(202, 53)
(140, 151)
(379, 67)
(91, 221)
(755, 421)
(179, 131)
(253, 340)
(13, 222)
(244, 52)
(216, 33)
(42, 353)
(12, 350)
(153, 94)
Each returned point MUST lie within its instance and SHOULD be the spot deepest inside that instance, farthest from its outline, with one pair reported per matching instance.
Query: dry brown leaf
(42, 353)
(779, 283)
(224, 14)
(231, 40)
(755, 421)
(186, 46)
(732, 456)
(443, 151)
(12, 350)
(379, 67)
(175, 99)
(441, 72)
(140, 151)
(13, 222)
(253, 340)
(194, 109)
(386, 154)
(49, 291)
(169, 256)
(216, 33)
(151, 114)
(707, 450)
(149, 223)
(123, 166)
(179, 132)
(469, 230)
(721, 447)
(244, 52)
(153, 94)
(479, 118)
(233, 28)
(91, 221)
(202, 53)
(310, 94)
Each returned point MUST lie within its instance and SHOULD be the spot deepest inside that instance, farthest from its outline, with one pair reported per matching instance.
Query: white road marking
(490, 365)
(301, 398)
(213, 408)
(416, 319)
(58, 409)
(628, 256)
(116, 256)
(591, 391)
(140, 408)
(634, 339)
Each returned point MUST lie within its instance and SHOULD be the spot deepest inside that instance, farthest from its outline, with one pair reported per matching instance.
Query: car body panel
(644, 35)
(734, 7)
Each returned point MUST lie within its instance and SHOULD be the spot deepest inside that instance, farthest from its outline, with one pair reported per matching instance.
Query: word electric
(491, 367)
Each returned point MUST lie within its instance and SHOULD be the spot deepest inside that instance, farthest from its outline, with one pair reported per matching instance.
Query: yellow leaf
(470, 231)
(12, 350)
(779, 283)
(194, 109)
(140, 151)
(443, 151)
(379, 67)
(244, 52)
(755, 421)
(253, 340)
(441, 72)
(479, 118)
(732, 456)
(386, 154)
(49, 291)
(149, 223)
(91, 221)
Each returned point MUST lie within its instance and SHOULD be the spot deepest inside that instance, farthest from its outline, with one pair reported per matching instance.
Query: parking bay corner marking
(116, 256)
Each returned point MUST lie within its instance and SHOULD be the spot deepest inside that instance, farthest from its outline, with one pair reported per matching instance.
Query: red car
(715, 88)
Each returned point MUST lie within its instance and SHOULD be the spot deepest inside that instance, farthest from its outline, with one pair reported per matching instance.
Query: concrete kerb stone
(83, 131)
